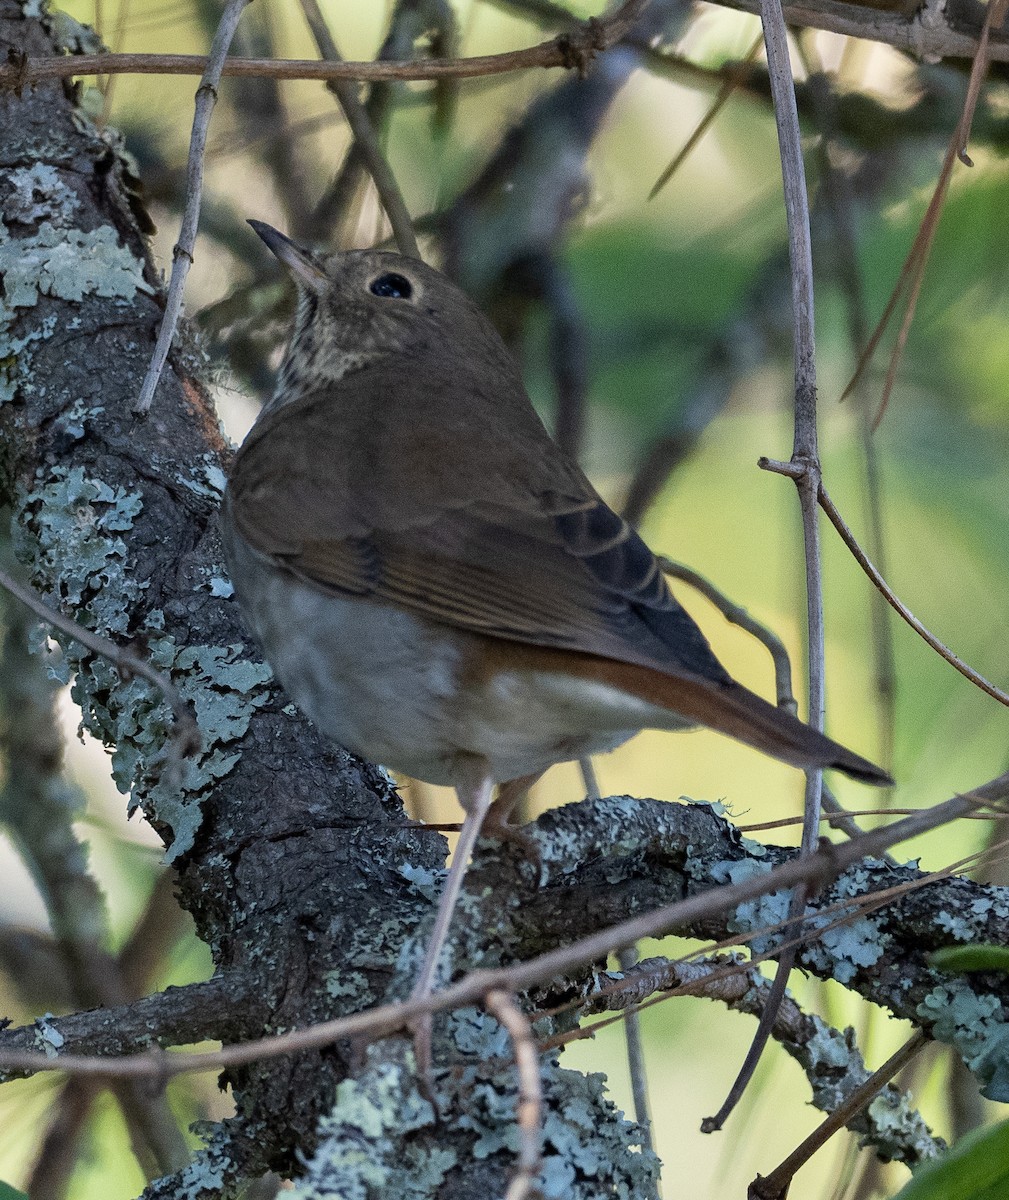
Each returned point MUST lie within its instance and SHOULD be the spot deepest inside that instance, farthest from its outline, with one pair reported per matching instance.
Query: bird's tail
(732, 709)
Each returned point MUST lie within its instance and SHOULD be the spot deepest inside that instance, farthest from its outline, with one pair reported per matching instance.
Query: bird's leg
(509, 794)
(589, 778)
(475, 799)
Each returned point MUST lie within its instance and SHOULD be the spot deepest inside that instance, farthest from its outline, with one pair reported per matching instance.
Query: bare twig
(572, 49)
(39, 808)
(817, 870)
(365, 137)
(892, 599)
(705, 123)
(737, 615)
(407, 23)
(836, 201)
(850, 908)
(182, 256)
(839, 818)
(128, 664)
(913, 271)
(503, 1007)
(769, 1014)
(804, 452)
(852, 20)
(636, 1068)
(839, 815)
(775, 1186)
(925, 39)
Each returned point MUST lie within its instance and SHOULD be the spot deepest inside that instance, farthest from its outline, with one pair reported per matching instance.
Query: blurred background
(655, 335)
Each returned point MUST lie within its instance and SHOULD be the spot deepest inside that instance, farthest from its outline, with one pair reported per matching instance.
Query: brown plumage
(434, 582)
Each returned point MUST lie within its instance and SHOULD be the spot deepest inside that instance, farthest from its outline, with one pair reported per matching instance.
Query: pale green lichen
(959, 928)
(68, 535)
(38, 193)
(54, 259)
(428, 883)
(994, 906)
(72, 423)
(346, 985)
(974, 1024)
(897, 1129)
(74, 37)
(224, 689)
(753, 915)
(369, 1146)
(205, 1176)
(843, 949)
(73, 519)
(47, 1037)
(205, 478)
(364, 1149)
(67, 264)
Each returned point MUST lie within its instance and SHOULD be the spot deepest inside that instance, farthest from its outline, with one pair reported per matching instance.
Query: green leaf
(971, 958)
(977, 1168)
(9, 1193)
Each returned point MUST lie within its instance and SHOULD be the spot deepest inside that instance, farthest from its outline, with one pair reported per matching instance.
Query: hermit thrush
(434, 583)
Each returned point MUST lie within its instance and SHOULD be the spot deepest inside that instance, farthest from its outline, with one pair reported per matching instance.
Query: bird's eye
(396, 286)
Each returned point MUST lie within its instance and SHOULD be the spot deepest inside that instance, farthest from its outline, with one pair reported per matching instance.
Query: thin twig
(573, 49)
(818, 869)
(838, 818)
(182, 255)
(503, 1007)
(895, 603)
(769, 1014)
(804, 452)
(850, 909)
(38, 807)
(364, 136)
(735, 614)
(404, 28)
(775, 1186)
(851, 20)
(704, 124)
(839, 815)
(636, 1067)
(128, 664)
(913, 271)
(837, 200)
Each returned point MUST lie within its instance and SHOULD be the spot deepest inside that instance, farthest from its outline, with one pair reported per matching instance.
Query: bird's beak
(303, 266)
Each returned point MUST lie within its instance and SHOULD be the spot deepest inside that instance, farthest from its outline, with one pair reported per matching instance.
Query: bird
(434, 583)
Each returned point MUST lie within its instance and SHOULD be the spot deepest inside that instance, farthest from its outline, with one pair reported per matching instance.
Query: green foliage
(971, 958)
(977, 1168)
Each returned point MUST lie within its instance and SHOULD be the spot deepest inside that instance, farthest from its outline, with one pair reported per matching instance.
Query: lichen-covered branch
(829, 1057)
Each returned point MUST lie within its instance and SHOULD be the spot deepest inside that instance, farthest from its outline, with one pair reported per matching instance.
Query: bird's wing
(537, 567)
